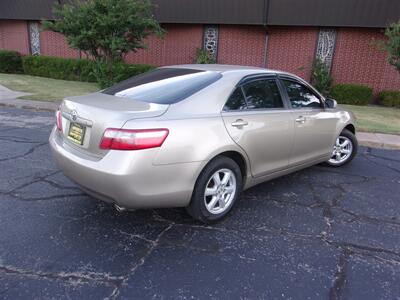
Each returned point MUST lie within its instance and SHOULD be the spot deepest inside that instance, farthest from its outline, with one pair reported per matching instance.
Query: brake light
(133, 139)
(59, 120)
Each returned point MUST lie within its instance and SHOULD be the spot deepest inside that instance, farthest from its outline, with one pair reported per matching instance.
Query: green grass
(45, 89)
(376, 119)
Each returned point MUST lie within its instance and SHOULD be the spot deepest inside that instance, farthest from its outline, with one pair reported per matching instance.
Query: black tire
(197, 207)
(348, 134)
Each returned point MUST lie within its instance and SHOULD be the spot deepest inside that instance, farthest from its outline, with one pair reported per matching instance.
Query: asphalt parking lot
(320, 233)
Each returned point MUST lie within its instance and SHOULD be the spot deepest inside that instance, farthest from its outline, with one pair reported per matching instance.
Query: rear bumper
(128, 178)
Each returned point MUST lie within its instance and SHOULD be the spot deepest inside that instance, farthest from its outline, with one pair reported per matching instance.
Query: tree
(392, 44)
(106, 30)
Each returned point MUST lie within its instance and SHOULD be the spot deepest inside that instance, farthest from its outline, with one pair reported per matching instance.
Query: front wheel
(216, 190)
(344, 150)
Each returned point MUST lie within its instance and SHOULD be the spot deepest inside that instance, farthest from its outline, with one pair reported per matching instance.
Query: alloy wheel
(342, 150)
(220, 191)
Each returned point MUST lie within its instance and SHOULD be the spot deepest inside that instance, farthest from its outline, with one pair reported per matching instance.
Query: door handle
(301, 119)
(239, 123)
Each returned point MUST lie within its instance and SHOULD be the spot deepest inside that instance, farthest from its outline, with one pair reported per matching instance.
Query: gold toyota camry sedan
(195, 136)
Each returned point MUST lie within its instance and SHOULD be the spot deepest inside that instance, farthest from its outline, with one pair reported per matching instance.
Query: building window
(34, 38)
(210, 40)
(326, 45)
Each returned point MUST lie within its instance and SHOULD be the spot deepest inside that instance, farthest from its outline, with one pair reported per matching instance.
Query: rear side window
(164, 85)
(301, 96)
(263, 93)
(236, 100)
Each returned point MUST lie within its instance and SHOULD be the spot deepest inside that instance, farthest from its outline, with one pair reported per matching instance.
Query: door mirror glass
(330, 103)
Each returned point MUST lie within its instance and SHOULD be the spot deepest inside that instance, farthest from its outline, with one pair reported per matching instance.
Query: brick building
(278, 34)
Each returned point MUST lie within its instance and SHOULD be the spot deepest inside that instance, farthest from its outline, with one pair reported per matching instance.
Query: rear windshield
(164, 85)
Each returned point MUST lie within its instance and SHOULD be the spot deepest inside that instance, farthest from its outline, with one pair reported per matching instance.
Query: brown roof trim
(329, 13)
(334, 13)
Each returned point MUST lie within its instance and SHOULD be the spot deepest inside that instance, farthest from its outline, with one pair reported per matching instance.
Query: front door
(315, 127)
(260, 123)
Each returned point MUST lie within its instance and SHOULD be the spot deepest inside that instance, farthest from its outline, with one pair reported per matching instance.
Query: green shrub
(10, 62)
(80, 69)
(390, 98)
(354, 94)
(202, 57)
(108, 75)
(320, 77)
(59, 68)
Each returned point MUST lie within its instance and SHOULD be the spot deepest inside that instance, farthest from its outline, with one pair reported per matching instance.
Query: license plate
(76, 133)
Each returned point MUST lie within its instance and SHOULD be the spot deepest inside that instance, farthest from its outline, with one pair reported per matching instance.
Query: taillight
(59, 120)
(133, 139)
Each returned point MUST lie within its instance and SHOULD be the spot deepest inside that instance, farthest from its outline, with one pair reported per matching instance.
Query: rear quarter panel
(190, 139)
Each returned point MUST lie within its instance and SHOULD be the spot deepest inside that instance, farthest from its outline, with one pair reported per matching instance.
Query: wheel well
(238, 158)
(351, 128)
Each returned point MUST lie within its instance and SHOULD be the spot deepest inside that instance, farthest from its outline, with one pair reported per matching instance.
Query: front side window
(263, 93)
(164, 85)
(236, 100)
(301, 96)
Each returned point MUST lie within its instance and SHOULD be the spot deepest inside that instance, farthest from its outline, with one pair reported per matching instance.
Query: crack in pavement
(72, 277)
(30, 151)
(35, 179)
(55, 197)
(140, 262)
(362, 217)
(369, 151)
(18, 140)
(366, 155)
(339, 280)
(14, 192)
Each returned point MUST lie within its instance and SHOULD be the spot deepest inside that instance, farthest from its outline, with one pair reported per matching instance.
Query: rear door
(315, 127)
(258, 120)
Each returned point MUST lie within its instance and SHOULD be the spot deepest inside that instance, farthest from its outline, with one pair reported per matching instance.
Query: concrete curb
(373, 140)
(30, 104)
(379, 140)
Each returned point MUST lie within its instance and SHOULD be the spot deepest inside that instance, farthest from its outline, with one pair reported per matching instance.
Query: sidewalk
(8, 98)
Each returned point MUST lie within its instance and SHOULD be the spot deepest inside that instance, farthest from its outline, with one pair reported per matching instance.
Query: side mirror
(330, 103)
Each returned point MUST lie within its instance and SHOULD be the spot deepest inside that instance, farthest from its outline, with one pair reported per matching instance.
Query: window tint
(164, 85)
(236, 101)
(263, 93)
(300, 95)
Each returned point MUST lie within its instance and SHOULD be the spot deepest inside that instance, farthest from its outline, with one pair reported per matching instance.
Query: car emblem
(74, 115)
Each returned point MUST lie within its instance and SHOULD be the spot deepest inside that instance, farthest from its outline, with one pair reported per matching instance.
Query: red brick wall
(14, 36)
(358, 60)
(55, 44)
(241, 45)
(178, 46)
(292, 49)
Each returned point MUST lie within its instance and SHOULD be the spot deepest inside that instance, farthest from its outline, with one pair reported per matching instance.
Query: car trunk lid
(90, 115)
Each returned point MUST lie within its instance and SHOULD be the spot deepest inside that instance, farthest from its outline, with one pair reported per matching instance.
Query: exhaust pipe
(119, 209)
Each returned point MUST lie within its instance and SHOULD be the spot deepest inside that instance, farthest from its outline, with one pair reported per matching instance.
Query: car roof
(225, 68)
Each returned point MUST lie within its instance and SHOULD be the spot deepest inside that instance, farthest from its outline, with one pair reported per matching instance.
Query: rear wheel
(344, 150)
(216, 190)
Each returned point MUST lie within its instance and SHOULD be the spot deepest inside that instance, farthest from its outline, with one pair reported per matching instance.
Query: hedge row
(352, 94)
(10, 62)
(59, 68)
(390, 98)
(80, 69)
(67, 68)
